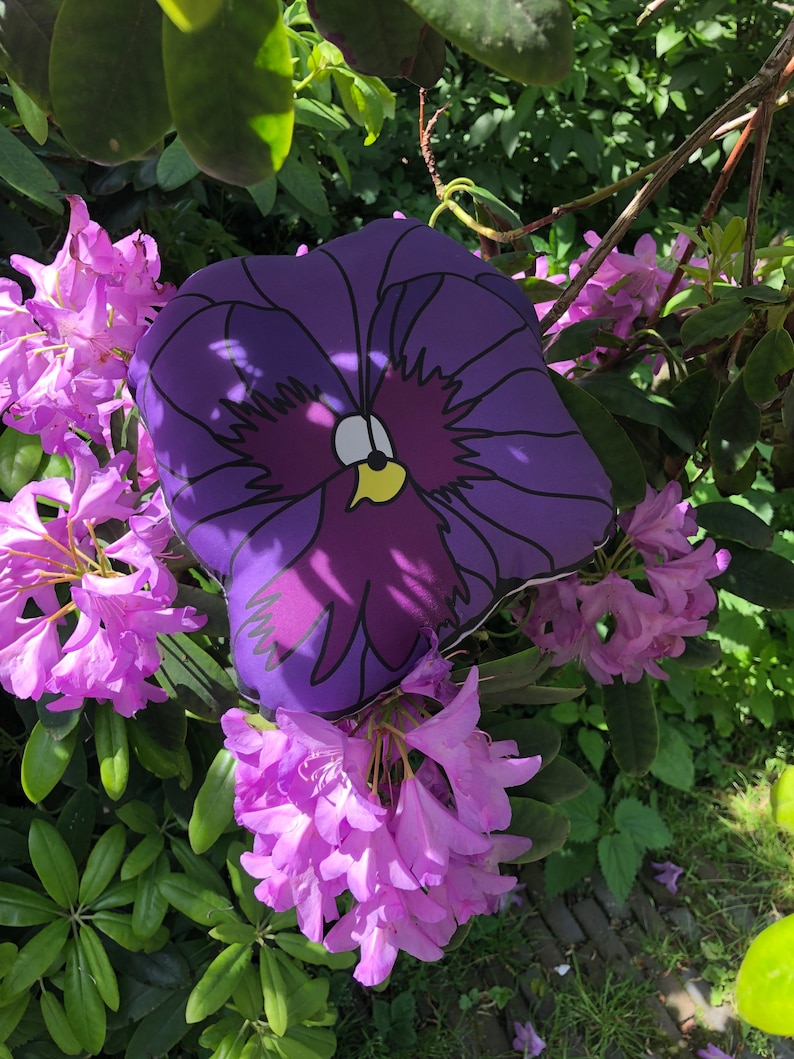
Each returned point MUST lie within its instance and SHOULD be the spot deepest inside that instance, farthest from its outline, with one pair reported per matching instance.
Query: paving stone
(647, 915)
(676, 999)
(596, 926)
(543, 943)
(561, 922)
(683, 920)
(607, 899)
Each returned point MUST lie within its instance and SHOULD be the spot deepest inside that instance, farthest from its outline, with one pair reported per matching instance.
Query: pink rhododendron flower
(64, 353)
(338, 807)
(640, 602)
(63, 564)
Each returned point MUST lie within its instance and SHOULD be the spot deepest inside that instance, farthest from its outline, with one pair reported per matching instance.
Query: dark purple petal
(362, 442)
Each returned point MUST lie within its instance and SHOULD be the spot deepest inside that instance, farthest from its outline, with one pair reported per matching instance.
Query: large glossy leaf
(546, 826)
(630, 713)
(112, 749)
(53, 862)
(24, 172)
(734, 429)
(34, 958)
(764, 578)
(102, 864)
(770, 358)
(621, 397)
(100, 967)
(218, 981)
(274, 991)
(161, 1030)
(608, 441)
(694, 399)
(106, 77)
(45, 760)
(57, 1024)
(230, 90)
(187, 665)
(25, 36)
(502, 675)
(532, 737)
(22, 907)
(558, 782)
(20, 456)
(381, 37)
(717, 321)
(765, 984)
(191, 15)
(84, 1008)
(528, 40)
(213, 808)
(721, 518)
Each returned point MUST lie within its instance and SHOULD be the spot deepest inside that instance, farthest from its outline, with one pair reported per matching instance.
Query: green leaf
(764, 578)
(163, 763)
(532, 737)
(772, 356)
(621, 397)
(112, 748)
(213, 809)
(630, 715)
(540, 292)
(84, 1008)
(118, 927)
(642, 824)
(25, 35)
(558, 782)
(165, 724)
(186, 664)
(528, 40)
(247, 994)
(619, 860)
(121, 110)
(694, 399)
(302, 180)
(150, 905)
(583, 813)
(102, 864)
(234, 933)
(145, 853)
(577, 340)
(230, 91)
(202, 906)
(175, 167)
(161, 1030)
(607, 439)
(44, 761)
(782, 799)
(23, 171)
(591, 743)
(53, 862)
(198, 868)
(717, 321)
(10, 1015)
(674, 764)
(305, 1042)
(381, 37)
(502, 675)
(264, 195)
(765, 983)
(58, 1025)
(567, 866)
(34, 958)
(721, 518)
(700, 652)
(33, 117)
(218, 982)
(546, 826)
(300, 948)
(138, 817)
(22, 907)
(308, 1003)
(274, 991)
(99, 965)
(243, 886)
(191, 15)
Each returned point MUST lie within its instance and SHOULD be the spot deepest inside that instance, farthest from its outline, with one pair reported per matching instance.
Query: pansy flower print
(362, 443)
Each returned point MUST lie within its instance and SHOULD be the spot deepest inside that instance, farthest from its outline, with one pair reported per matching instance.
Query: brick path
(607, 939)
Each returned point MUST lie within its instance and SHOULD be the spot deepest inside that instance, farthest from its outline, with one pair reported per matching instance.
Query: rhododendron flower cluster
(64, 352)
(640, 600)
(396, 805)
(59, 557)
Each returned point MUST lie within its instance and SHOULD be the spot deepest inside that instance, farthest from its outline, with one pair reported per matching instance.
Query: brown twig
(425, 137)
(650, 10)
(755, 87)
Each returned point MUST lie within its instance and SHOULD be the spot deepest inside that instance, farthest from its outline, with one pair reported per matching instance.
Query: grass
(739, 876)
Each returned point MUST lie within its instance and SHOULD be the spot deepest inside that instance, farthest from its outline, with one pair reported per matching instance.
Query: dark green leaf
(583, 813)
(175, 167)
(218, 981)
(532, 737)
(191, 15)
(118, 927)
(230, 90)
(84, 1008)
(59, 723)
(674, 764)
(740, 481)
(621, 397)
(619, 860)
(25, 35)
(32, 116)
(44, 761)
(305, 1042)
(243, 886)
(380, 38)
(695, 398)
(155, 758)
(576, 340)
(308, 1003)
(53, 862)
(138, 817)
(608, 441)
(99, 965)
(300, 948)
(700, 653)
(192, 900)
(528, 40)
(58, 1025)
(145, 853)
(198, 868)
(591, 743)
(150, 905)
(642, 824)
(112, 748)
(34, 958)
(102, 864)
(540, 291)
(558, 782)
(20, 456)
(734, 522)
(213, 809)
(535, 695)
(166, 969)
(121, 110)
(429, 62)
(76, 821)
(274, 991)
(720, 320)
(21, 907)
(165, 723)
(185, 663)
(302, 180)
(501, 675)
(546, 826)
(264, 195)
(771, 357)
(764, 578)
(23, 171)
(161, 1030)
(10, 1015)
(630, 715)
(567, 866)
(234, 933)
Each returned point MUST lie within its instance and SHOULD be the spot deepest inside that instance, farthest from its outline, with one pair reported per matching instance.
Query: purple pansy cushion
(362, 443)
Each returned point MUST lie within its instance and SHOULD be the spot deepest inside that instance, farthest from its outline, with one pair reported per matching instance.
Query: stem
(755, 87)
(425, 134)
